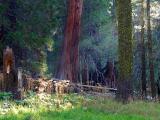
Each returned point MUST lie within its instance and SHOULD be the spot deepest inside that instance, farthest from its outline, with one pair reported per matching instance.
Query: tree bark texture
(125, 46)
(10, 82)
(69, 61)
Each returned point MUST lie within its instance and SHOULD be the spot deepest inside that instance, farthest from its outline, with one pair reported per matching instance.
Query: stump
(10, 81)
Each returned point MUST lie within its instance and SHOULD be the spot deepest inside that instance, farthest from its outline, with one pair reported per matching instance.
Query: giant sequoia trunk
(124, 18)
(69, 60)
(143, 58)
(150, 54)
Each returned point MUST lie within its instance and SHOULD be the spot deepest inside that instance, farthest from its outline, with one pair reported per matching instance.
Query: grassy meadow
(75, 107)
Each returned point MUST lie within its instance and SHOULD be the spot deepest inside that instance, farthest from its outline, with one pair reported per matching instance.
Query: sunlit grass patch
(79, 107)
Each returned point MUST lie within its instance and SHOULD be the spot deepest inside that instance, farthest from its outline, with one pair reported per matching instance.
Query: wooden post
(20, 84)
(20, 81)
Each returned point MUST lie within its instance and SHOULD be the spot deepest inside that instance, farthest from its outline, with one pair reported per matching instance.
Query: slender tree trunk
(69, 61)
(150, 54)
(1, 33)
(124, 18)
(143, 58)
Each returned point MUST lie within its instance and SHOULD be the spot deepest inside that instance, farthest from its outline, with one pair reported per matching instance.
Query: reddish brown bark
(69, 60)
(9, 74)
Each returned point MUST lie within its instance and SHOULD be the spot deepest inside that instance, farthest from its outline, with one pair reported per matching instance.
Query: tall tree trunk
(124, 18)
(143, 58)
(69, 61)
(150, 54)
(75, 40)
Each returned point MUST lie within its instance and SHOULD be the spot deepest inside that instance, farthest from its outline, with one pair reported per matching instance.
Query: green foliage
(35, 23)
(5, 95)
(98, 40)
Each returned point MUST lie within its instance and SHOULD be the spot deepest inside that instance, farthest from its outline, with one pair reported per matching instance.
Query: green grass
(78, 114)
(76, 107)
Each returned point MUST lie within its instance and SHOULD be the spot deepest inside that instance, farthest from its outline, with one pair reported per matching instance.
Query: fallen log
(96, 88)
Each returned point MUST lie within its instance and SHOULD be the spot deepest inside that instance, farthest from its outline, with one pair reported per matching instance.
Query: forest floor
(75, 107)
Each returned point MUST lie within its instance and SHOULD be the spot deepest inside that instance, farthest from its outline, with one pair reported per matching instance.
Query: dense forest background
(35, 31)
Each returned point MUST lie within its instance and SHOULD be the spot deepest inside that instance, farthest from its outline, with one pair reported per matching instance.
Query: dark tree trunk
(1, 33)
(158, 88)
(143, 58)
(124, 17)
(69, 60)
(109, 74)
(150, 54)
(1, 42)
(85, 74)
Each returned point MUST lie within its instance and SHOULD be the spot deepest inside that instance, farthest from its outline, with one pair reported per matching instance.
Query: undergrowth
(75, 107)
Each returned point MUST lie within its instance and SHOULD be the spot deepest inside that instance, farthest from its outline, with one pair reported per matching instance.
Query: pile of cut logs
(49, 86)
